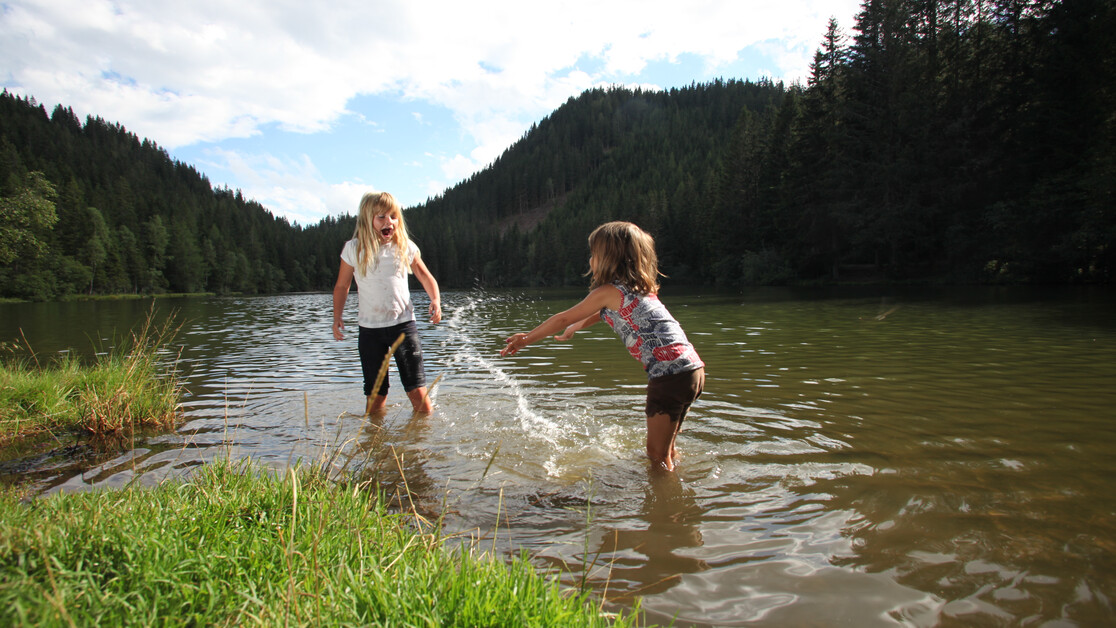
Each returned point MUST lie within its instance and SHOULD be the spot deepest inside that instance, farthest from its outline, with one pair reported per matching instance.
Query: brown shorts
(673, 394)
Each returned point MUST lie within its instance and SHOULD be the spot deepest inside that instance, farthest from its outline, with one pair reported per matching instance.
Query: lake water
(866, 457)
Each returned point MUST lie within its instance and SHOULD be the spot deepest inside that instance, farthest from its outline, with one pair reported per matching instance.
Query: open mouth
(386, 232)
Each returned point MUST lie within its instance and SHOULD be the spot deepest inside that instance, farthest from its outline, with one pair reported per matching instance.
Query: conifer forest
(937, 141)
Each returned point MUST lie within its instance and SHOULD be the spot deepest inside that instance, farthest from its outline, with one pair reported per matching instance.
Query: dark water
(874, 458)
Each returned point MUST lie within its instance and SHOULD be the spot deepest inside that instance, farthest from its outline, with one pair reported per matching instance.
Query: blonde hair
(368, 239)
(625, 254)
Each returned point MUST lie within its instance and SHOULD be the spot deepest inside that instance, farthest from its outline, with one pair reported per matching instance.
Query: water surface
(870, 458)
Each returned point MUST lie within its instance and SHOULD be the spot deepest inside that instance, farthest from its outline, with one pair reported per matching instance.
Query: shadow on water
(869, 457)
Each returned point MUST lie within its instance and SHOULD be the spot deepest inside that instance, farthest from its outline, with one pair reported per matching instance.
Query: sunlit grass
(132, 385)
(234, 545)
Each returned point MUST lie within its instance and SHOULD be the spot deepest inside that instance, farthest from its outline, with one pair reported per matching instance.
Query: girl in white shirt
(379, 257)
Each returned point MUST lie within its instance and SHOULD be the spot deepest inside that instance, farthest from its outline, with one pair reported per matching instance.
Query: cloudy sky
(305, 105)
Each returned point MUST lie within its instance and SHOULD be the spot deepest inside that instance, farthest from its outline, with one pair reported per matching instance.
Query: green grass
(235, 546)
(132, 385)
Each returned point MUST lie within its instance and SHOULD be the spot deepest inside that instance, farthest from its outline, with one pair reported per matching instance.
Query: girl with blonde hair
(379, 257)
(624, 294)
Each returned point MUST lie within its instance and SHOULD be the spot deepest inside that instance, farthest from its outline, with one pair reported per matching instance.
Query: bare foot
(375, 404)
(420, 401)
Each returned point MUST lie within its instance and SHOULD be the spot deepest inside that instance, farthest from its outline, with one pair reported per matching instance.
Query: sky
(305, 106)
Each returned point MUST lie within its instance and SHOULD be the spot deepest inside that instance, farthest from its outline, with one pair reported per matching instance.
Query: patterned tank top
(651, 334)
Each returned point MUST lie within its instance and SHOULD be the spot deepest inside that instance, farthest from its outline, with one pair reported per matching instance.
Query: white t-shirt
(383, 295)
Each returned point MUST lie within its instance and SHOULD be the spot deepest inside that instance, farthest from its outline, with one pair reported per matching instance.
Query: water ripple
(856, 460)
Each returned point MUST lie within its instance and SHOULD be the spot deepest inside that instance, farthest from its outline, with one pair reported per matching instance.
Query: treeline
(91, 209)
(942, 140)
(651, 157)
(938, 140)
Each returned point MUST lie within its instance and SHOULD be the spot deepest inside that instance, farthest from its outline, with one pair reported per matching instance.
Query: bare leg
(375, 404)
(420, 401)
(661, 434)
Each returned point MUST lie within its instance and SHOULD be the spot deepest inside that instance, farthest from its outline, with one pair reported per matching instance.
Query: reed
(235, 545)
(134, 384)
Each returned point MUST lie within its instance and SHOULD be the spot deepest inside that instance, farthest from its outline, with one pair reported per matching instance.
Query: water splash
(465, 355)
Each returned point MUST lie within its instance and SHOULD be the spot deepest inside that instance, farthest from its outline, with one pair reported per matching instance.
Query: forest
(91, 209)
(948, 141)
(959, 141)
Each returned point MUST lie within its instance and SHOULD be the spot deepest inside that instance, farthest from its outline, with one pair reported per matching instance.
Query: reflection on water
(869, 459)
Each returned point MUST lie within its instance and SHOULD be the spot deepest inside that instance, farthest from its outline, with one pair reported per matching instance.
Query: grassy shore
(235, 546)
(131, 385)
(231, 545)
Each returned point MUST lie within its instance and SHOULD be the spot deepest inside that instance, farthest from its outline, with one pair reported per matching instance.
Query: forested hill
(937, 140)
(90, 208)
(940, 140)
(651, 157)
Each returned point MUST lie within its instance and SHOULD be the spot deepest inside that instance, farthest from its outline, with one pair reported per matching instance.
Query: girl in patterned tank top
(624, 294)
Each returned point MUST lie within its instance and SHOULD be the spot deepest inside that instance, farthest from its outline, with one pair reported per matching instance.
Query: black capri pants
(374, 343)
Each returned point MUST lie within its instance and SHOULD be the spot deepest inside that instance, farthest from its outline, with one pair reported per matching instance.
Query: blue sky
(306, 106)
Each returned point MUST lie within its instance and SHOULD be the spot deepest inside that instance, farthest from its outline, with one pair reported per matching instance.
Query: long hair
(368, 239)
(624, 254)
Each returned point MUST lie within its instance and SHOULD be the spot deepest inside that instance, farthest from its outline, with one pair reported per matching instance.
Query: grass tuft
(132, 385)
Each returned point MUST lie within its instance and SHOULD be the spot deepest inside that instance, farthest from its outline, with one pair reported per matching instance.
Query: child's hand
(338, 327)
(569, 333)
(515, 343)
(435, 312)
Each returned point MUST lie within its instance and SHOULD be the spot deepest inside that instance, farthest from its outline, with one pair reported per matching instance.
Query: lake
(869, 457)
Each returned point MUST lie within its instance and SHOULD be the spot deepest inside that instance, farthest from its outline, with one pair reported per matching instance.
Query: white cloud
(295, 189)
(434, 188)
(183, 72)
(204, 71)
(459, 167)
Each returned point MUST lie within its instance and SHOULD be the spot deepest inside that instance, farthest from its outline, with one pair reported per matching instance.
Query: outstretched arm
(340, 294)
(577, 317)
(430, 284)
(589, 321)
